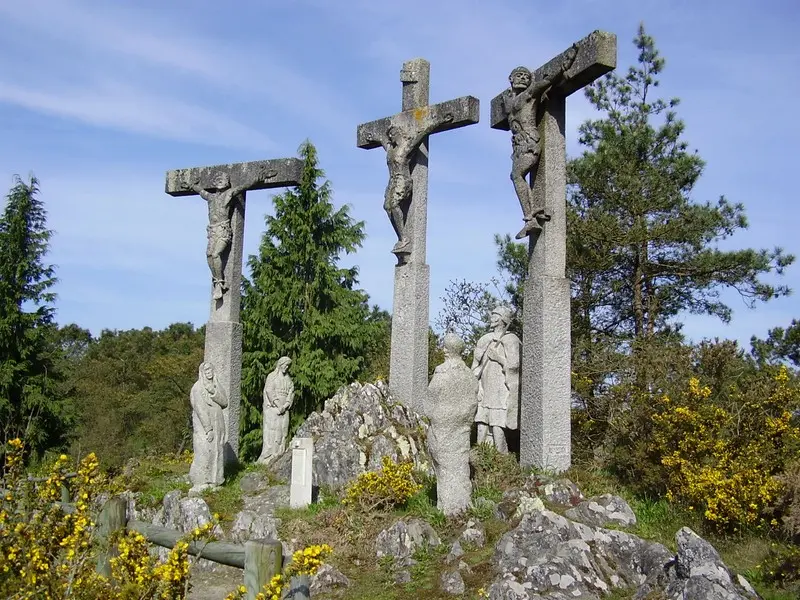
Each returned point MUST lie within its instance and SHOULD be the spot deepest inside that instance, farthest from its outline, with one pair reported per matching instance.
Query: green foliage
(641, 251)
(379, 346)
(299, 303)
(132, 391)
(782, 345)
(31, 405)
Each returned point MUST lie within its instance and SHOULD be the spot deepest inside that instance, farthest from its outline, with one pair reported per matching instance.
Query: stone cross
(545, 435)
(405, 138)
(223, 187)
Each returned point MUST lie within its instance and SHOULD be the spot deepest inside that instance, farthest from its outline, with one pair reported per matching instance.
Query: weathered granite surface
(450, 406)
(603, 510)
(405, 138)
(545, 374)
(358, 426)
(208, 398)
(278, 398)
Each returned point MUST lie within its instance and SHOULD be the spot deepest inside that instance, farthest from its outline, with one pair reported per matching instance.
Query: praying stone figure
(496, 364)
(220, 197)
(401, 143)
(450, 405)
(521, 106)
(207, 398)
(278, 399)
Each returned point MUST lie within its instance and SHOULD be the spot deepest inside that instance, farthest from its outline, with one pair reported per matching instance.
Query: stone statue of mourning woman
(207, 398)
(450, 405)
(278, 399)
(496, 364)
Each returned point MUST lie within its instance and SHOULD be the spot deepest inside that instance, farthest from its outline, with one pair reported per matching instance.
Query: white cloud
(115, 105)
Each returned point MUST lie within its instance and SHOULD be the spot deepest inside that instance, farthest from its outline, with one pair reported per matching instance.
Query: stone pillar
(408, 362)
(546, 369)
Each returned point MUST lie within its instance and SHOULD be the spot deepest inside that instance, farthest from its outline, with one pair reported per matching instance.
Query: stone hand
(210, 436)
(269, 175)
(449, 118)
(493, 354)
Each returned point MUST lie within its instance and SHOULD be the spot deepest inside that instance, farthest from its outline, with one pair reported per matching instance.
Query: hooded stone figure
(450, 406)
(496, 364)
(278, 399)
(209, 435)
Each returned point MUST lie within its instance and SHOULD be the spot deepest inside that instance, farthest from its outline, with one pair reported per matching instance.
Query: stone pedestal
(300, 490)
(408, 368)
(223, 349)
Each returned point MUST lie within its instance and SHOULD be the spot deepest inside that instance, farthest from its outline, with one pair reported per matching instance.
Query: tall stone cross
(534, 109)
(404, 136)
(223, 187)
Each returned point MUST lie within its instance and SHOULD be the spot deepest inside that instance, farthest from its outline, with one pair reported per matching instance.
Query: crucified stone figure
(220, 197)
(521, 106)
(400, 144)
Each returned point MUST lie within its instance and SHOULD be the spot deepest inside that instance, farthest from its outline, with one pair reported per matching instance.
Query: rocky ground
(541, 540)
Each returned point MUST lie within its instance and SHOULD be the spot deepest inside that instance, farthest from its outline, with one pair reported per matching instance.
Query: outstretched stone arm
(431, 125)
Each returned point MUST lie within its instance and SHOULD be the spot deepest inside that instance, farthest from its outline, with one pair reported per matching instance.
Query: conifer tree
(641, 249)
(30, 406)
(299, 303)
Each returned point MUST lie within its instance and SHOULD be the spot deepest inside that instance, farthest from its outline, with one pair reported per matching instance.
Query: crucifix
(404, 136)
(223, 187)
(534, 109)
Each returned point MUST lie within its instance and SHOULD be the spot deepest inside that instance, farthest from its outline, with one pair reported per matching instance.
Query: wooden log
(111, 518)
(299, 588)
(218, 552)
(263, 559)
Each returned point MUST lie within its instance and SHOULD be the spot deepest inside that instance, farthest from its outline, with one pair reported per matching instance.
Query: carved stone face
(221, 181)
(495, 320)
(208, 371)
(284, 367)
(520, 79)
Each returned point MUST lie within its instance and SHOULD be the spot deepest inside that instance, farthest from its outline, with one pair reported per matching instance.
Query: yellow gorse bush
(394, 484)
(47, 553)
(304, 562)
(724, 460)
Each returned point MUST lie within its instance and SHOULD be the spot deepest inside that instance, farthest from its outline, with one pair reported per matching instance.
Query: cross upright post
(223, 187)
(404, 136)
(540, 150)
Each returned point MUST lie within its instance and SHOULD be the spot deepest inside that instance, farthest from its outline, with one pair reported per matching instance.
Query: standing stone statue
(278, 399)
(220, 197)
(521, 106)
(496, 364)
(207, 398)
(451, 404)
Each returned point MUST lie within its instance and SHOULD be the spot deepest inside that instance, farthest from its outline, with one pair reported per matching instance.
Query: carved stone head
(501, 315)
(283, 364)
(453, 345)
(207, 370)
(520, 78)
(391, 134)
(221, 181)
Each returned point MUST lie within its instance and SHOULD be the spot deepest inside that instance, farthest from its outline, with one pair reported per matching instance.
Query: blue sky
(99, 99)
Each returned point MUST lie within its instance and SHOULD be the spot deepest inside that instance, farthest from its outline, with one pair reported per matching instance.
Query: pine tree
(640, 249)
(30, 406)
(299, 303)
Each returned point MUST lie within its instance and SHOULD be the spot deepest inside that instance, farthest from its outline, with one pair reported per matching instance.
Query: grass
(154, 476)
(352, 533)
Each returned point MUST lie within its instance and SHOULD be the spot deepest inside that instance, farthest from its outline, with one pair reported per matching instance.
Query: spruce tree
(30, 405)
(299, 303)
